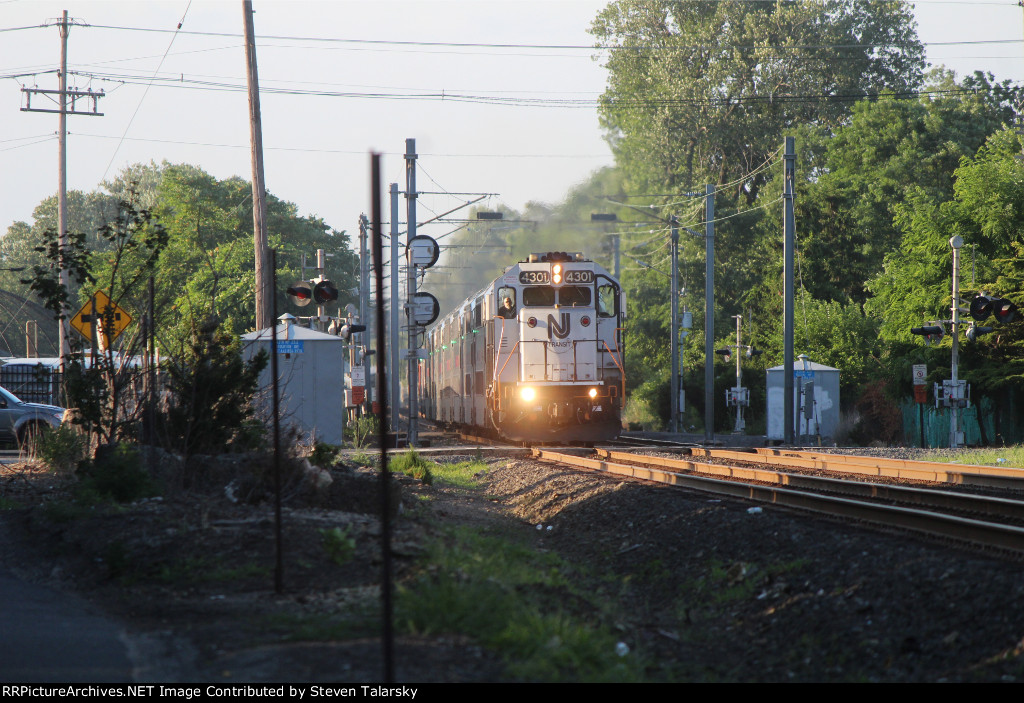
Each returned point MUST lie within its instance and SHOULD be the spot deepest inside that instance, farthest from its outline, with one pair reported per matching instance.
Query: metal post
(364, 316)
(674, 422)
(738, 427)
(954, 393)
(617, 243)
(410, 203)
(789, 227)
(709, 316)
(321, 310)
(395, 303)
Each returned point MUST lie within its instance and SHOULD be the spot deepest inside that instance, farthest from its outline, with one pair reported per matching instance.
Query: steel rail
(925, 522)
(937, 472)
(885, 462)
(964, 502)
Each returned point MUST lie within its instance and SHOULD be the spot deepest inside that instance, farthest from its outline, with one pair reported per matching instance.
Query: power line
(144, 94)
(608, 102)
(548, 47)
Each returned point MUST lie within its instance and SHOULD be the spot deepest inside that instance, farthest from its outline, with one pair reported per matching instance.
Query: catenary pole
(410, 203)
(709, 315)
(789, 227)
(393, 376)
(674, 327)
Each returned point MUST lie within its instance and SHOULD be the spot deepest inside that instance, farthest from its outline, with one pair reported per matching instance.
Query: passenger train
(537, 355)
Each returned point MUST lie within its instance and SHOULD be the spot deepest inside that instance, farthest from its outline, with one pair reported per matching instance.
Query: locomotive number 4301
(542, 277)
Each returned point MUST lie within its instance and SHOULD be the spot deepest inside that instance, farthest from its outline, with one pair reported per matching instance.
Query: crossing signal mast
(954, 393)
(738, 397)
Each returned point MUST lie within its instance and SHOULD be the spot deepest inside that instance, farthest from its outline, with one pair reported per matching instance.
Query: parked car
(21, 421)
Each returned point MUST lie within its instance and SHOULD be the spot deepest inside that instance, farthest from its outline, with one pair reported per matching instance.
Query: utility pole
(264, 275)
(64, 97)
(410, 202)
(789, 227)
(395, 302)
(709, 315)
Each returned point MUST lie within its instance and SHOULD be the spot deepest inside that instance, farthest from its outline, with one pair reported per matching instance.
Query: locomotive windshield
(568, 296)
(538, 296)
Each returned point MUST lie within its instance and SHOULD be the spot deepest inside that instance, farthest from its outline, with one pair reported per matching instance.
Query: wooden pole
(264, 286)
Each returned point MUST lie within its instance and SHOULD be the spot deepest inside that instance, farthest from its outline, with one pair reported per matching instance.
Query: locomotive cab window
(538, 296)
(507, 302)
(607, 300)
(574, 296)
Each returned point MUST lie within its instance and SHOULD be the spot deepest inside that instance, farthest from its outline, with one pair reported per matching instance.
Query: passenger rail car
(537, 355)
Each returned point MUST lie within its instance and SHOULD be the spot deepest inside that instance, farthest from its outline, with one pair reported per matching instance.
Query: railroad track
(780, 478)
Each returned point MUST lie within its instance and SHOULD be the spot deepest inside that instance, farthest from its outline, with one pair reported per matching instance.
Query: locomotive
(537, 355)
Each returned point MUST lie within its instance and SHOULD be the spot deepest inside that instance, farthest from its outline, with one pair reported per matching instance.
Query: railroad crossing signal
(301, 293)
(324, 292)
(111, 320)
(984, 305)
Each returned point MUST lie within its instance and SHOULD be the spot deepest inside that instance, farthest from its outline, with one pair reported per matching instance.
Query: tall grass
(508, 597)
(1011, 457)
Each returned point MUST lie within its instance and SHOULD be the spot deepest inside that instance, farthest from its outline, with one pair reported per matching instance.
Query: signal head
(324, 292)
(301, 293)
(976, 331)
(1004, 310)
(981, 307)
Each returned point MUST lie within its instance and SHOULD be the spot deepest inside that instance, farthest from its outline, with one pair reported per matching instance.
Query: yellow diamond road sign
(108, 313)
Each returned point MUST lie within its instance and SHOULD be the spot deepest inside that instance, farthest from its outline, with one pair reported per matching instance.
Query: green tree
(890, 148)
(702, 91)
(987, 211)
(207, 271)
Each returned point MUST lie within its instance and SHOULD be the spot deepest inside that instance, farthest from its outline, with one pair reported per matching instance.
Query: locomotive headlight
(592, 393)
(527, 394)
(556, 273)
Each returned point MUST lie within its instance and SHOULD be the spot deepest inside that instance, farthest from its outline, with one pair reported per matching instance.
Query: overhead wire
(145, 92)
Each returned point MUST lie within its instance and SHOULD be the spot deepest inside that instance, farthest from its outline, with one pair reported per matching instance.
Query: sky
(339, 79)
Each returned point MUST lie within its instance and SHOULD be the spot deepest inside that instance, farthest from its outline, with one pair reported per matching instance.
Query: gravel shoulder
(700, 589)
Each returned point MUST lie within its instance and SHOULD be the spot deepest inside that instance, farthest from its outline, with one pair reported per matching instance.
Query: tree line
(893, 160)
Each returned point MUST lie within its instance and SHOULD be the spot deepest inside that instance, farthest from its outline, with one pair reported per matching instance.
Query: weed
(340, 544)
(555, 648)
(412, 464)
(1011, 457)
(464, 474)
(204, 570)
(361, 431)
(363, 459)
(61, 449)
(498, 592)
(324, 455)
(357, 622)
(117, 474)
